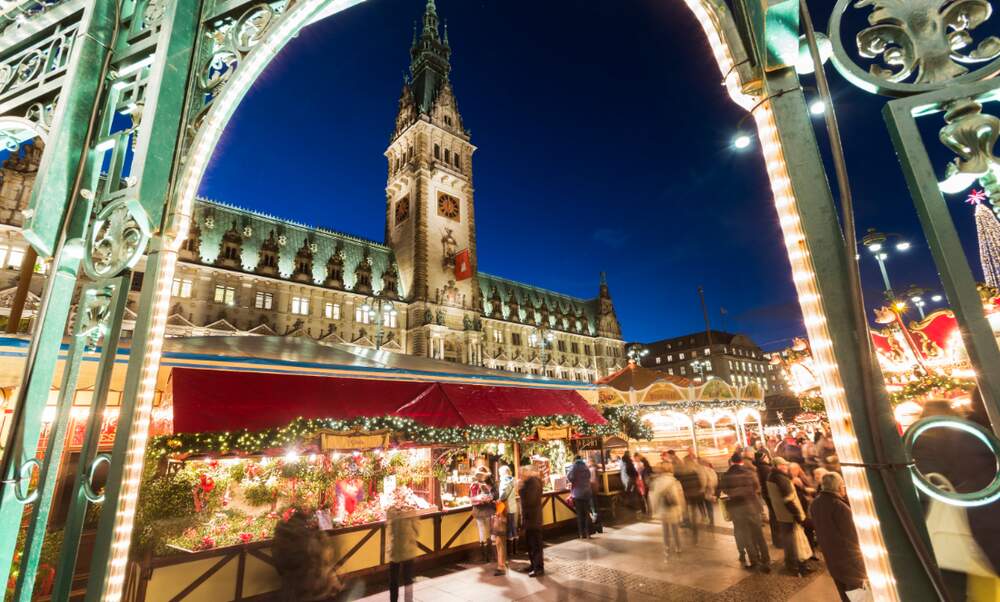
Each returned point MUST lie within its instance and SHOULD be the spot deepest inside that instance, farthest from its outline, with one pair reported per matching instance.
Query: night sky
(604, 144)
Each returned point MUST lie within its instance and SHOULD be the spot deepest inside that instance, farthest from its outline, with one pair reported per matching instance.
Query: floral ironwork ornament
(916, 45)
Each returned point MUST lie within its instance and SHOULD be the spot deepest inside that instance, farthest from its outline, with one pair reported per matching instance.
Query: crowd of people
(789, 486)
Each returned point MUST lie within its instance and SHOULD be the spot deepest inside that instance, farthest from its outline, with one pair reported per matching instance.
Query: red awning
(216, 400)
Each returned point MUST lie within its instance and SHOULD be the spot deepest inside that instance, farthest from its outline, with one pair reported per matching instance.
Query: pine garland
(928, 384)
(620, 420)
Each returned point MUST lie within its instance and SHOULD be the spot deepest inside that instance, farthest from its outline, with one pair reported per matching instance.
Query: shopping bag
(951, 537)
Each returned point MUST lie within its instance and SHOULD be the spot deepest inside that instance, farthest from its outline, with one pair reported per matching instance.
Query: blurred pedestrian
(629, 476)
(837, 536)
(692, 479)
(483, 495)
(666, 502)
(645, 472)
(746, 510)
(596, 526)
(578, 476)
(402, 531)
(762, 462)
(530, 493)
(711, 489)
(505, 541)
(788, 510)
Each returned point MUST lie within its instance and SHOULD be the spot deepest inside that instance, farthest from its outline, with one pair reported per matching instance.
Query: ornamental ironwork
(914, 46)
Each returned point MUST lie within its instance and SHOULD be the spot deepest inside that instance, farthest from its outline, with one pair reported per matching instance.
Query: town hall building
(419, 292)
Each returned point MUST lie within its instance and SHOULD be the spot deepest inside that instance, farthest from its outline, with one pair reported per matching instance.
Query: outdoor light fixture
(936, 298)
(916, 299)
(875, 247)
(742, 141)
(817, 107)
(804, 63)
(902, 246)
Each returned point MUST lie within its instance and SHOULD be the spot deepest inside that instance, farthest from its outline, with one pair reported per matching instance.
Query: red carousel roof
(638, 378)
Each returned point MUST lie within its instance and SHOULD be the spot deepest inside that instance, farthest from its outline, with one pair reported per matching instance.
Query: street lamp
(542, 337)
(916, 297)
(878, 243)
(744, 136)
(700, 367)
(636, 353)
(378, 309)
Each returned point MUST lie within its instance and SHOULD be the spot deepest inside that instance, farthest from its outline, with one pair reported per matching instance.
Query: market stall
(711, 418)
(254, 426)
(349, 450)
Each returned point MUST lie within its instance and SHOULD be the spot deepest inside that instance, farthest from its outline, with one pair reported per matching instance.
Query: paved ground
(624, 564)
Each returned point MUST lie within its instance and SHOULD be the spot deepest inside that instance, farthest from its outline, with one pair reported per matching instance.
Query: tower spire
(429, 60)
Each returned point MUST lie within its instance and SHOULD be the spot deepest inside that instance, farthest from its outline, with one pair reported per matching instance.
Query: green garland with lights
(620, 420)
(812, 403)
(927, 384)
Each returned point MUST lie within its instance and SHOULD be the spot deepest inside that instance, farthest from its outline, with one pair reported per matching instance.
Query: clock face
(448, 206)
(402, 210)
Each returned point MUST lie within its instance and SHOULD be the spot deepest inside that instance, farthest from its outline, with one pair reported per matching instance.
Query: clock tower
(430, 220)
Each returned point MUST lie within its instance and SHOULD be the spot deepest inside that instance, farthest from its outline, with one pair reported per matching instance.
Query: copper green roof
(566, 313)
(214, 219)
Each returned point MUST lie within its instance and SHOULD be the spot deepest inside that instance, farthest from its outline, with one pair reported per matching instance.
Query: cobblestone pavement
(624, 564)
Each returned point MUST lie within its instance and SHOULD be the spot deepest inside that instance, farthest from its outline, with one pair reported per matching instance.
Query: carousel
(711, 419)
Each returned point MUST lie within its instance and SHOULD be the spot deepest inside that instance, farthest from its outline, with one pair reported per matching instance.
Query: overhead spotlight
(742, 141)
(817, 107)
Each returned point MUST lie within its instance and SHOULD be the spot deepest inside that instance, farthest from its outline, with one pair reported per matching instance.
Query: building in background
(246, 273)
(732, 357)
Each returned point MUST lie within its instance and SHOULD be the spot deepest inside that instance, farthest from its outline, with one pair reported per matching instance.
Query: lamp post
(916, 295)
(542, 337)
(636, 353)
(378, 309)
(877, 244)
(700, 367)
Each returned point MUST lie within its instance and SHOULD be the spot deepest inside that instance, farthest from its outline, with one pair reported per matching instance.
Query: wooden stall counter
(245, 571)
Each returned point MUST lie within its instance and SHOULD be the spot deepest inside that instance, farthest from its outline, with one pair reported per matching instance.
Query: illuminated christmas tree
(988, 232)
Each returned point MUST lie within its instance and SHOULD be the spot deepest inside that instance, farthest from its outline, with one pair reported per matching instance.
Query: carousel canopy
(635, 384)
(634, 377)
(216, 400)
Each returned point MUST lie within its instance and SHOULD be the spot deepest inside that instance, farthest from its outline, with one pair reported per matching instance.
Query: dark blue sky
(603, 138)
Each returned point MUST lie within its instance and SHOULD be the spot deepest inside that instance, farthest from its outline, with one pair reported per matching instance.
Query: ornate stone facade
(243, 272)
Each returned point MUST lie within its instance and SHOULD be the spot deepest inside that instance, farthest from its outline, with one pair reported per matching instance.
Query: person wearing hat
(790, 515)
(741, 486)
(483, 494)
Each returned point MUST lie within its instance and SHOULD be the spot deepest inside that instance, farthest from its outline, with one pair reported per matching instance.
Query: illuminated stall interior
(711, 418)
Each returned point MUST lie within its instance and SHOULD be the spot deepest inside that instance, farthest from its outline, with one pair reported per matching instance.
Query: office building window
(300, 306)
(181, 287)
(332, 311)
(497, 336)
(515, 338)
(389, 318)
(225, 294)
(263, 300)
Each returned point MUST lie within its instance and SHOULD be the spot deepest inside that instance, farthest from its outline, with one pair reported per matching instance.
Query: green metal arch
(298, 16)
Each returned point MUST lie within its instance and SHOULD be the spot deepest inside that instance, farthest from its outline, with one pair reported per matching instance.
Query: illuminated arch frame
(716, 21)
(298, 16)
(303, 13)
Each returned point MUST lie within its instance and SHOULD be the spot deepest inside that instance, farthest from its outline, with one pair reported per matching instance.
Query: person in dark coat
(762, 461)
(531, 515)
(579, 480)
(838, 539)
(740, 484)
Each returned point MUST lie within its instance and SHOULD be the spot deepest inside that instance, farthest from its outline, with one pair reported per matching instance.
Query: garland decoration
(812, 403)
(931, 384)
(403, 429)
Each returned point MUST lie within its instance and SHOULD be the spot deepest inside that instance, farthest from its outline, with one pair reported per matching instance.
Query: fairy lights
(803, 275)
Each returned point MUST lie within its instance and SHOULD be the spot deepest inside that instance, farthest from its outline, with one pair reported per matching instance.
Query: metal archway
(177, 69)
